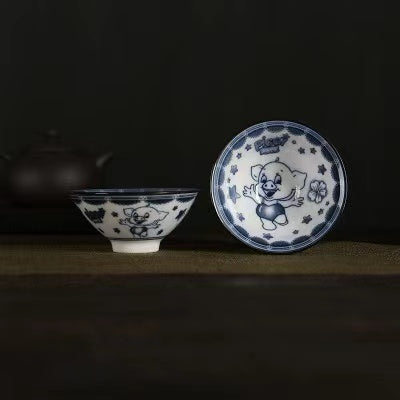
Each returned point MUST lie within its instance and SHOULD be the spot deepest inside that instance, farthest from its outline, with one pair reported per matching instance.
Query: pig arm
(251, 193)
(292, 202)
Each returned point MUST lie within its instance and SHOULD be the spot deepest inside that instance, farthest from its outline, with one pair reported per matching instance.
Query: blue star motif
(320, 211)
(312, 150)
(306, 219)
(238, 155)
(301, 150)
(114, 214)
(327, 203)
(116, 230)
(160, 232)
(295, 232)
(175, 208)
(294, 142)
(248, 147)
(321, 169)
(234, 169)
(267, 236)
(240, 216)
(229, 180)
(180, 214)
(233, 194)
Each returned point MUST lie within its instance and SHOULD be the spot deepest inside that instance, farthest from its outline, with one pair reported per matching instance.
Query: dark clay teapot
(45, 172)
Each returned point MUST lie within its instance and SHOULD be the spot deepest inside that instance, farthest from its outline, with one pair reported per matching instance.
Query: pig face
(144, 216)
(276, 181)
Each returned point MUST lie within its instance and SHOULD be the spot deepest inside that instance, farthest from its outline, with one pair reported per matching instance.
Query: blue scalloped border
(300, 243)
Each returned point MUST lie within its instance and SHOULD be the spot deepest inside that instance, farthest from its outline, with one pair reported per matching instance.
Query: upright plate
(279, 186)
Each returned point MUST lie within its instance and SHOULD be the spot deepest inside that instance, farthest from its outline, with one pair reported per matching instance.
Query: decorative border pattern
(133, 199)
(338, 174)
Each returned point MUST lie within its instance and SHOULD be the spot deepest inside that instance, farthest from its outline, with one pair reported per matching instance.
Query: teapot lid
(50, 141)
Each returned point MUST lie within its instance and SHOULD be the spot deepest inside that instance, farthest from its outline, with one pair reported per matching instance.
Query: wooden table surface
(107, 335)
(91, 254)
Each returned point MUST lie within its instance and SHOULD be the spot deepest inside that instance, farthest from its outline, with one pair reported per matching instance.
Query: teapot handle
(103, 159)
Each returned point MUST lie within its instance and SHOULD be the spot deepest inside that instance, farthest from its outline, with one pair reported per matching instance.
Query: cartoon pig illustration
(141, 219)
(277, 188)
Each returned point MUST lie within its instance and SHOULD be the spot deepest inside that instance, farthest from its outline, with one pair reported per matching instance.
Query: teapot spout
(103, 159)
(5, 157)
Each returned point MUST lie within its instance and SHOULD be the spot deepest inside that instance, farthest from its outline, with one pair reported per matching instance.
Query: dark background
(166, 85)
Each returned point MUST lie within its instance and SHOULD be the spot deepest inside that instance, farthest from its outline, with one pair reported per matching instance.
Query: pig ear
(162, 215)
(300, 178)
(128, 211)
(255, 171)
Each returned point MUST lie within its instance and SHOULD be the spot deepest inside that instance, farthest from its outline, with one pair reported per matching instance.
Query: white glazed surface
(131, 227)
(136, 246)
(246, 207)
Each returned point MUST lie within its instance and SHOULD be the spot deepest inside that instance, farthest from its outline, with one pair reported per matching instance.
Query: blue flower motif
(234, 169)
(248, 147)
(238, 155)
(267, 236)
(318, 191)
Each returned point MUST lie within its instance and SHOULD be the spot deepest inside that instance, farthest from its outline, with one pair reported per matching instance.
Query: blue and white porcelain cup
(134, 220)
